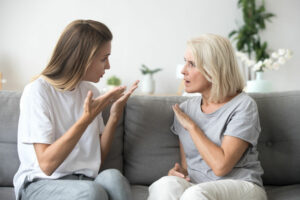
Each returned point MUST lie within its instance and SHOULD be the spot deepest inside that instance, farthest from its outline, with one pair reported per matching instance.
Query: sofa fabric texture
(144, 148)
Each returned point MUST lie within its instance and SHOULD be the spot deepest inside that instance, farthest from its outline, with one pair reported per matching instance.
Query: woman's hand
(119, 103)
(179, 171)
(92, 107)
(183, 118)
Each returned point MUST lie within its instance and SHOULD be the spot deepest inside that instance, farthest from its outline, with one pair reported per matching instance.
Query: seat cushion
(139, 192)
(290, 192)
(7, 193)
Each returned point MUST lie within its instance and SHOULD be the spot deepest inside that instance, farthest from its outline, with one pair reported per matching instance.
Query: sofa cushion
(7, 193)
(114, 158)
(278, 144)
(139, 192)
(290, 192)
(150, 148)
(9, 117)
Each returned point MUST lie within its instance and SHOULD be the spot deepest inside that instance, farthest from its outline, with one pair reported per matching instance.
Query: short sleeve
(35, 125)
(244, 123)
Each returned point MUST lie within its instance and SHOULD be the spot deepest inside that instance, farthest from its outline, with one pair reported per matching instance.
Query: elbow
(46, 168)
(221, 171)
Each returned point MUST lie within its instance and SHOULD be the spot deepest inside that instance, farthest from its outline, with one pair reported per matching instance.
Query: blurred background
(149, 32)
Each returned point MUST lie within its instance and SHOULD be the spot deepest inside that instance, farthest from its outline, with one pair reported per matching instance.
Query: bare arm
(116, 111)
(50, 156)
(222, 158)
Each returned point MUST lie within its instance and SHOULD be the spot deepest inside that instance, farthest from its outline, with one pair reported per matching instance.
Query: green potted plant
(113, 81)
(247, 36)
(148, 83)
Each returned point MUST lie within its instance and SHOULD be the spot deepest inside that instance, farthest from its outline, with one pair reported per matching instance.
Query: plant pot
(259, 84)
(148, 84)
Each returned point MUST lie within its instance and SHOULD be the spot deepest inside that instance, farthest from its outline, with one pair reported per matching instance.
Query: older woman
(218, 131)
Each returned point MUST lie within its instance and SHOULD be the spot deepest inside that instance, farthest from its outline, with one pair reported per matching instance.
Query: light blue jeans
(110, 184)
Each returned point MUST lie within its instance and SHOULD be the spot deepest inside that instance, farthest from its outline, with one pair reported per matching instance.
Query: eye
(104, 59)
(191, 64)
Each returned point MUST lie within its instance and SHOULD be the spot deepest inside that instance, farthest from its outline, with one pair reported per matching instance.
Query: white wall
(145, 31)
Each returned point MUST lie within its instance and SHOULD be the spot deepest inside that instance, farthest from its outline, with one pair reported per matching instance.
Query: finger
(88, 100)
(176, 173)
(112, 94)
(134, 86)
(188, 178)
(177, 167)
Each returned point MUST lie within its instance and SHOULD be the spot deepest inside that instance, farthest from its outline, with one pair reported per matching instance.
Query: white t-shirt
(45, 115)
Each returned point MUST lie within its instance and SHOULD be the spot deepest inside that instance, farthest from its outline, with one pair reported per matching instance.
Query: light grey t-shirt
(238, 118)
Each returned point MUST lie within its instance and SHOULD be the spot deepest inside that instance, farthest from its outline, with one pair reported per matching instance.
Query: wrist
(113, 118)
(83, 122)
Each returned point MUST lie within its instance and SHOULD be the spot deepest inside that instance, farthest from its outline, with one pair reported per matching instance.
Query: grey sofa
(144, 149)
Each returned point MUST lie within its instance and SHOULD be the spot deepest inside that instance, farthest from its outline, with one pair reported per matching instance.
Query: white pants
(175, 188)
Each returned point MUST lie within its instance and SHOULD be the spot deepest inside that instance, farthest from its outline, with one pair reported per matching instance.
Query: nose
(107, 65)
(183, 71)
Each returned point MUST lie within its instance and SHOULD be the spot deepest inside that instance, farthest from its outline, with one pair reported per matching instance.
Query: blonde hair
(74, 51)
(215, 58)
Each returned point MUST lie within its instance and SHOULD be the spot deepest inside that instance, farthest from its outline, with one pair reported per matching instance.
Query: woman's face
(99, 64)
(194, 80)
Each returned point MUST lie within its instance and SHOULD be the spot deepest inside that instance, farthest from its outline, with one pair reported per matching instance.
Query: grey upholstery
(145, 149)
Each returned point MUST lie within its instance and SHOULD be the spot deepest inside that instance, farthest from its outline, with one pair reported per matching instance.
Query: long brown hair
(74, 51)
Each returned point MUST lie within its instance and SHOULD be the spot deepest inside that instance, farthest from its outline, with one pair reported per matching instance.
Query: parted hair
(74, 51)
(216, 60)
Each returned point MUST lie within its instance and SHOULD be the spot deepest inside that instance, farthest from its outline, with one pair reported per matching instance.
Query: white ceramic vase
(148, 84)
(259, 84)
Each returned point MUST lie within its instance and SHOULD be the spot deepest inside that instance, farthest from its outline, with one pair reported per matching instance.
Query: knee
(165, 183)
(195, 192)
(93, 191)
(113, 175)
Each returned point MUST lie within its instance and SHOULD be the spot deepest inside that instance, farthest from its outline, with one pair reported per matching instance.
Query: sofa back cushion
(150, 148)
(9, 117)
(279, 141)
(114, 158)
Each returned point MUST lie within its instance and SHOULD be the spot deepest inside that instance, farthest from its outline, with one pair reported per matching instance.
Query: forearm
(213, 154)
(52, 157)
(107, 136)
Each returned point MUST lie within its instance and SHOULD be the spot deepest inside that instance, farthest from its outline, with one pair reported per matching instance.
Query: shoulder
(37, 88)
(245, 101)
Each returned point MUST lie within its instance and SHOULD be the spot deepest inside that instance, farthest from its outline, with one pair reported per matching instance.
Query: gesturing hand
(118, 105)
(179, 171)
(92, 107)
(183, 118)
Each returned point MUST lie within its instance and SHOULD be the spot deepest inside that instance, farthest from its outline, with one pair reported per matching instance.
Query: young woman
(62, 140)
(218, 131)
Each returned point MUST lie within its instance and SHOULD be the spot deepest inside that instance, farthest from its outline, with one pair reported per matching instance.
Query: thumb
(177, 167)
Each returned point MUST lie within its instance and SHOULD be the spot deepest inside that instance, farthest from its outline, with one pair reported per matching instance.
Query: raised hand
(179, 171)
(92, 107)
(119, 103)
(183, 118)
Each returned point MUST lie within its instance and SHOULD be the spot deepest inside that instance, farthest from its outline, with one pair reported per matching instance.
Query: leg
(115, 184)
(225, 190)
(64, 190)
(168, 188)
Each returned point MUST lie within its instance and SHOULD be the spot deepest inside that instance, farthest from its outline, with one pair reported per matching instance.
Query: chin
(189, 90)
